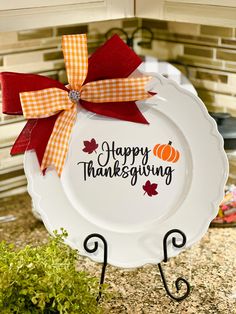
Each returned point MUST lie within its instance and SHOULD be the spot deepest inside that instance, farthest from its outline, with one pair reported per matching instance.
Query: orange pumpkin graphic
(166, 152)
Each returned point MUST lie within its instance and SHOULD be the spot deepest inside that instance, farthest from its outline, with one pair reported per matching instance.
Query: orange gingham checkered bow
(50, 101)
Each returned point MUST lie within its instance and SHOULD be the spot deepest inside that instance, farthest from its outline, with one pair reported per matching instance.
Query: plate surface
(128, 188)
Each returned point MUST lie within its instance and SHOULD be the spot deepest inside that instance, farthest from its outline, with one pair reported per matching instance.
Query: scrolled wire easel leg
(93, 250)
(179, 281)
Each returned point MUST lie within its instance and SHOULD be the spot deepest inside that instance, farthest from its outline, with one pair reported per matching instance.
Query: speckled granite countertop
(210, 267)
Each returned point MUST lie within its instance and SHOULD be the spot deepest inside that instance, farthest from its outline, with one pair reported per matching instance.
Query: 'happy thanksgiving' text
(124, 165)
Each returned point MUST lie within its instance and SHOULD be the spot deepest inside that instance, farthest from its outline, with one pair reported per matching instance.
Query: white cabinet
(27, 14)
(210, 12)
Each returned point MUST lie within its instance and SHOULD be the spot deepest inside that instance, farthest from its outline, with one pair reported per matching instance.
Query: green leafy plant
(44, 279)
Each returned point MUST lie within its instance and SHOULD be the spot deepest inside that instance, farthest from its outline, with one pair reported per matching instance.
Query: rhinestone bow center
(74, 96)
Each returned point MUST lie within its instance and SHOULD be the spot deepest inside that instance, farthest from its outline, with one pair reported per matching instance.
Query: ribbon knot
(63, 102)
(74, 96)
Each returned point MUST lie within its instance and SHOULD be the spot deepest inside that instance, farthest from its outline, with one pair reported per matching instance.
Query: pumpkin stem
(169, 143)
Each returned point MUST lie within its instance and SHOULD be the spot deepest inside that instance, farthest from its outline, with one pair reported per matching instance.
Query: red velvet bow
(112, 60)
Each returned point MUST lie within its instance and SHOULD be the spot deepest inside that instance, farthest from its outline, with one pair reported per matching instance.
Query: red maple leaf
(150, 188)
(90, 146)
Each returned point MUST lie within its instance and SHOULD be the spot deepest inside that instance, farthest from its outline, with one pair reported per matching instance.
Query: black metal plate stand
(179, 281)
(93, 250)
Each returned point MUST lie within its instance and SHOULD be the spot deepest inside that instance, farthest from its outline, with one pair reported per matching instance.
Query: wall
(209, 53)
(206, 53)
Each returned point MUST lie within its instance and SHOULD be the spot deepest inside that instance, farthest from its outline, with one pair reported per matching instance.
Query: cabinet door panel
(209, 12)
(29, 14)
(24, 4)
(226, 3)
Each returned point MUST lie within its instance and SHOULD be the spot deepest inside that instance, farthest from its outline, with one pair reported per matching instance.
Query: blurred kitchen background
(204, 53)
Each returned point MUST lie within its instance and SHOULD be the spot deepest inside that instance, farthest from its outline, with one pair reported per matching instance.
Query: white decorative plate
(135, 206)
